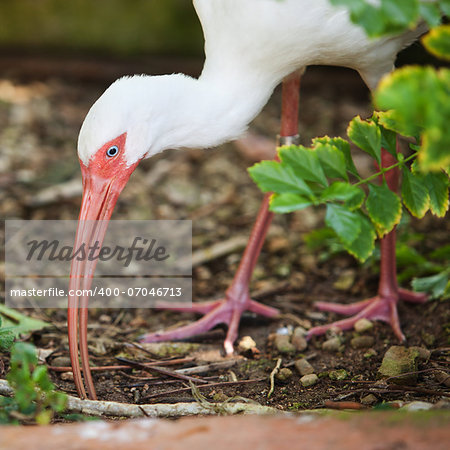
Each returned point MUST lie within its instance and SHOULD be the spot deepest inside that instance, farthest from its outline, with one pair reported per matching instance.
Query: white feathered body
(250, 46)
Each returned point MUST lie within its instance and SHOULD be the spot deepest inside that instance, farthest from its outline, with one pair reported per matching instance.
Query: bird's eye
(112, 151)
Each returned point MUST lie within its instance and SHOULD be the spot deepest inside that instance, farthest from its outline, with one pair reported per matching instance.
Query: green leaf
(364, 244)
(288, 202)
(351, 195)
(18, 323)
(437, 42)
(367, 136)
(437, 184)
(418, 98)
(384, 208)
(445, 7)
(435, 285)
(414, 193)
(345, 223)
(430, 12)
(343, 146)
(332, 160)
(388, 137)
(400, 12)
(271, 176)
(304, 162)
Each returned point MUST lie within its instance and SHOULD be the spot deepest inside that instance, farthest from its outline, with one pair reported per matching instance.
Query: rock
(299, 340)
(442, 377)
(332, 345)
(399, 360)
(363, 325)
(283, 344)
(340, 374)
(284, 374)
(345, 281)
(67, 376)
(369, 400)
(424, 353)
(61, 361)
(362, 341)
(309, 380)
(246, 344)
(417, 406)
(304, 367)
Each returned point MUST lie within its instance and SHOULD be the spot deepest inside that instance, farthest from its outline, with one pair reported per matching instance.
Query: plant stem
(386, 169)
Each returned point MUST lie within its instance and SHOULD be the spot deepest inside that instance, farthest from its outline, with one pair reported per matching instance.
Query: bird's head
(114, 138)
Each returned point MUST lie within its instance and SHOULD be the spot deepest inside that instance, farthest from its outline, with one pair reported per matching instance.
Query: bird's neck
(213, 109)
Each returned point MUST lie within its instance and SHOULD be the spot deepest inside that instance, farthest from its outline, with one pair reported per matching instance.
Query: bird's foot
(227, 311)
(381, 307)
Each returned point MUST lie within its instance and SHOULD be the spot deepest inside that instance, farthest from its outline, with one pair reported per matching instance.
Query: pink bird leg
(384, 305)
(237, 298)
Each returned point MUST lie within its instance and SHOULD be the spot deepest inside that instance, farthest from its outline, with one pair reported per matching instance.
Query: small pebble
(304, 367)
(309, 380)
(417, 406)
(340, 374)
(370, 353)
(362, 341)
(246, 343)
(67, 376)
(284, 374)
(332, 345)
(61, 361)
(298, 339)
(283, 344)
(363, 325)
(369, 400)
(345, 281)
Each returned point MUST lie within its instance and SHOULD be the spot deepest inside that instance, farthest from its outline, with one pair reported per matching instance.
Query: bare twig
(170, 362)
(343, 405)
(161, 371)
(272, 377)
(210, 385)
(115, 409)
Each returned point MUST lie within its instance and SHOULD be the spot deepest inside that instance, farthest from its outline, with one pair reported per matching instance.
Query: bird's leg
(384, 305)
(237, 298)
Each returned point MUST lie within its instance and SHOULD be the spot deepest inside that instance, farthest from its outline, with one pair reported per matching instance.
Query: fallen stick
(114, 409)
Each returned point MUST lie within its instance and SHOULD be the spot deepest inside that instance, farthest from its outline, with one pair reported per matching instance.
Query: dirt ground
(42, 104)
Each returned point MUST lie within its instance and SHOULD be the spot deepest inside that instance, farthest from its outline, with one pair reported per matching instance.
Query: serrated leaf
(388, 137)
(364, 244)
(345, 223)
(418, 97)
(343, 146)
(351, 195)
(437, 185)
(384, 208)
(288, 202)
(414, 193)
(437, 42)
(332, 160)
(367, 136)
(304, 162)
(271, 176)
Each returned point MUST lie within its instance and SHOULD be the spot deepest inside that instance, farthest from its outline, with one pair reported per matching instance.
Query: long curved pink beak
(99, 198)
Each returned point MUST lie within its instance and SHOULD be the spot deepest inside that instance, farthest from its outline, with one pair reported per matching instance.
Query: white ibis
(250, 46)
